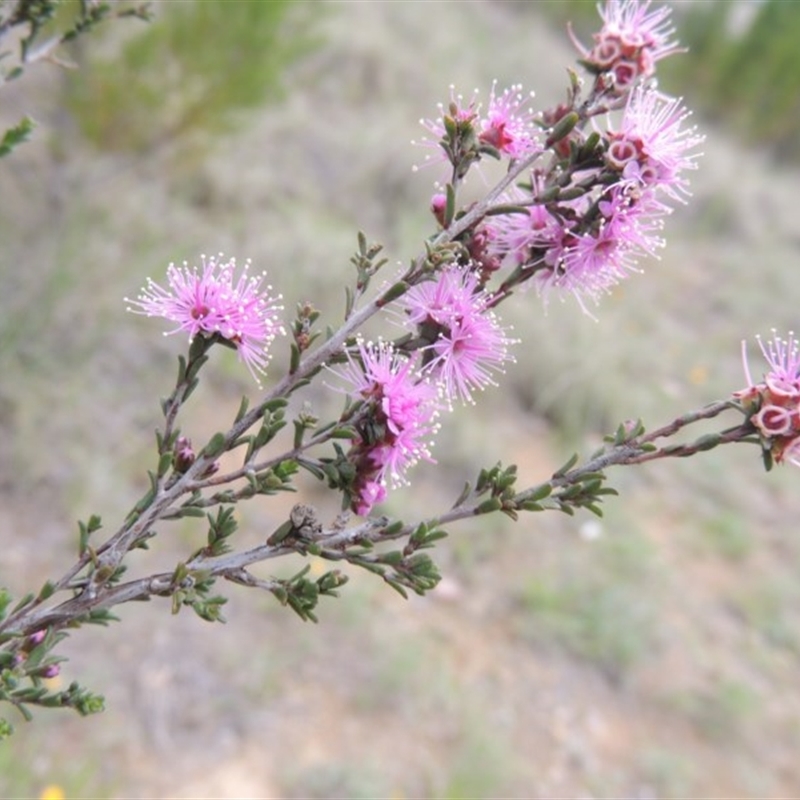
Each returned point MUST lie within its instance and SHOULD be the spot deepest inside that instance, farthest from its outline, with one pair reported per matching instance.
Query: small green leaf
(450, 206)
(22, 603)
(272, 406)
(46, 590)
(16, 135)
(392, 293)
(489, 506)
(395, 527)
(215, 446)
(567, 467)
(164, 464)
(562, 128)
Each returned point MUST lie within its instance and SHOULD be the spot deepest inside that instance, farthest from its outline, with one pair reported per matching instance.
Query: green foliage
(721, 711)
(195, 67)
(193, 588)
(302, 594)
(727, 534)
(15, 135)
(748, 78)
(601, 613)
(479, 767)
(321, 781)
(669, 772)
(768, 609)
(73, 772)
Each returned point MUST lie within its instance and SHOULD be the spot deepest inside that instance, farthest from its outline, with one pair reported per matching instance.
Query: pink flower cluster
(465, 343)
(774, 403)
(598, 204)
(462, 132)
(652, 147)
(213, 302)
(633, 38)
(395, 431)
(587, 244)
(459, 345)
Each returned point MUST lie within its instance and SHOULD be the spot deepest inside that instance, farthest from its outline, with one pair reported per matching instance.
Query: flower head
(213, 302)
(466, 342)
(457, 118)
(584, 246)
(633, 38)
(783, 357)
(652, 146)
(773, 405)
(522, 237)
(395, 430)
(461, 130)
(508, 123)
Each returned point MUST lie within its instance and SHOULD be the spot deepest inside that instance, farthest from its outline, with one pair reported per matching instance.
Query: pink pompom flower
(633, 38)
(399, 422)
(508, 124)
(773, 404)
(466, 343)
(653, 147)
(212, 301)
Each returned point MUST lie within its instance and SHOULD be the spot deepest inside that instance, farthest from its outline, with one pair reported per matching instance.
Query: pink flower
(508, 125)
(212, 302)
(633, 38)
(370, 494)
(789, 451)
(590, 253)
(457, 113)
(396, 430)
(773, 405)
(466, 342)
(783, 358)
(460, 129)
(652, 146)
(511, 238)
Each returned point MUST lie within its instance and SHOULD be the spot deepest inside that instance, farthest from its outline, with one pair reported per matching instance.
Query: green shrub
(189, 71)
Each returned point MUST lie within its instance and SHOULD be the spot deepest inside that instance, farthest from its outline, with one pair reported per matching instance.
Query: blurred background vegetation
(642, 655)
(199, 67)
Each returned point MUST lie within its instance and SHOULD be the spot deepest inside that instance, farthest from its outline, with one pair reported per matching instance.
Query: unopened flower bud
(439, 207)
(35, 639)
(211, 469)
(184, 454)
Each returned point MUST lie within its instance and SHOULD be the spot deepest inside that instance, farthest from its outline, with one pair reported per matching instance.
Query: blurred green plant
(42, 777)
(480, 767)
(196, 66)
(766, 607)
(596, 609)
(670, 773)
(728, 535)
(41, 27)
(720, 712)
(332, 779)
(743, 68)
